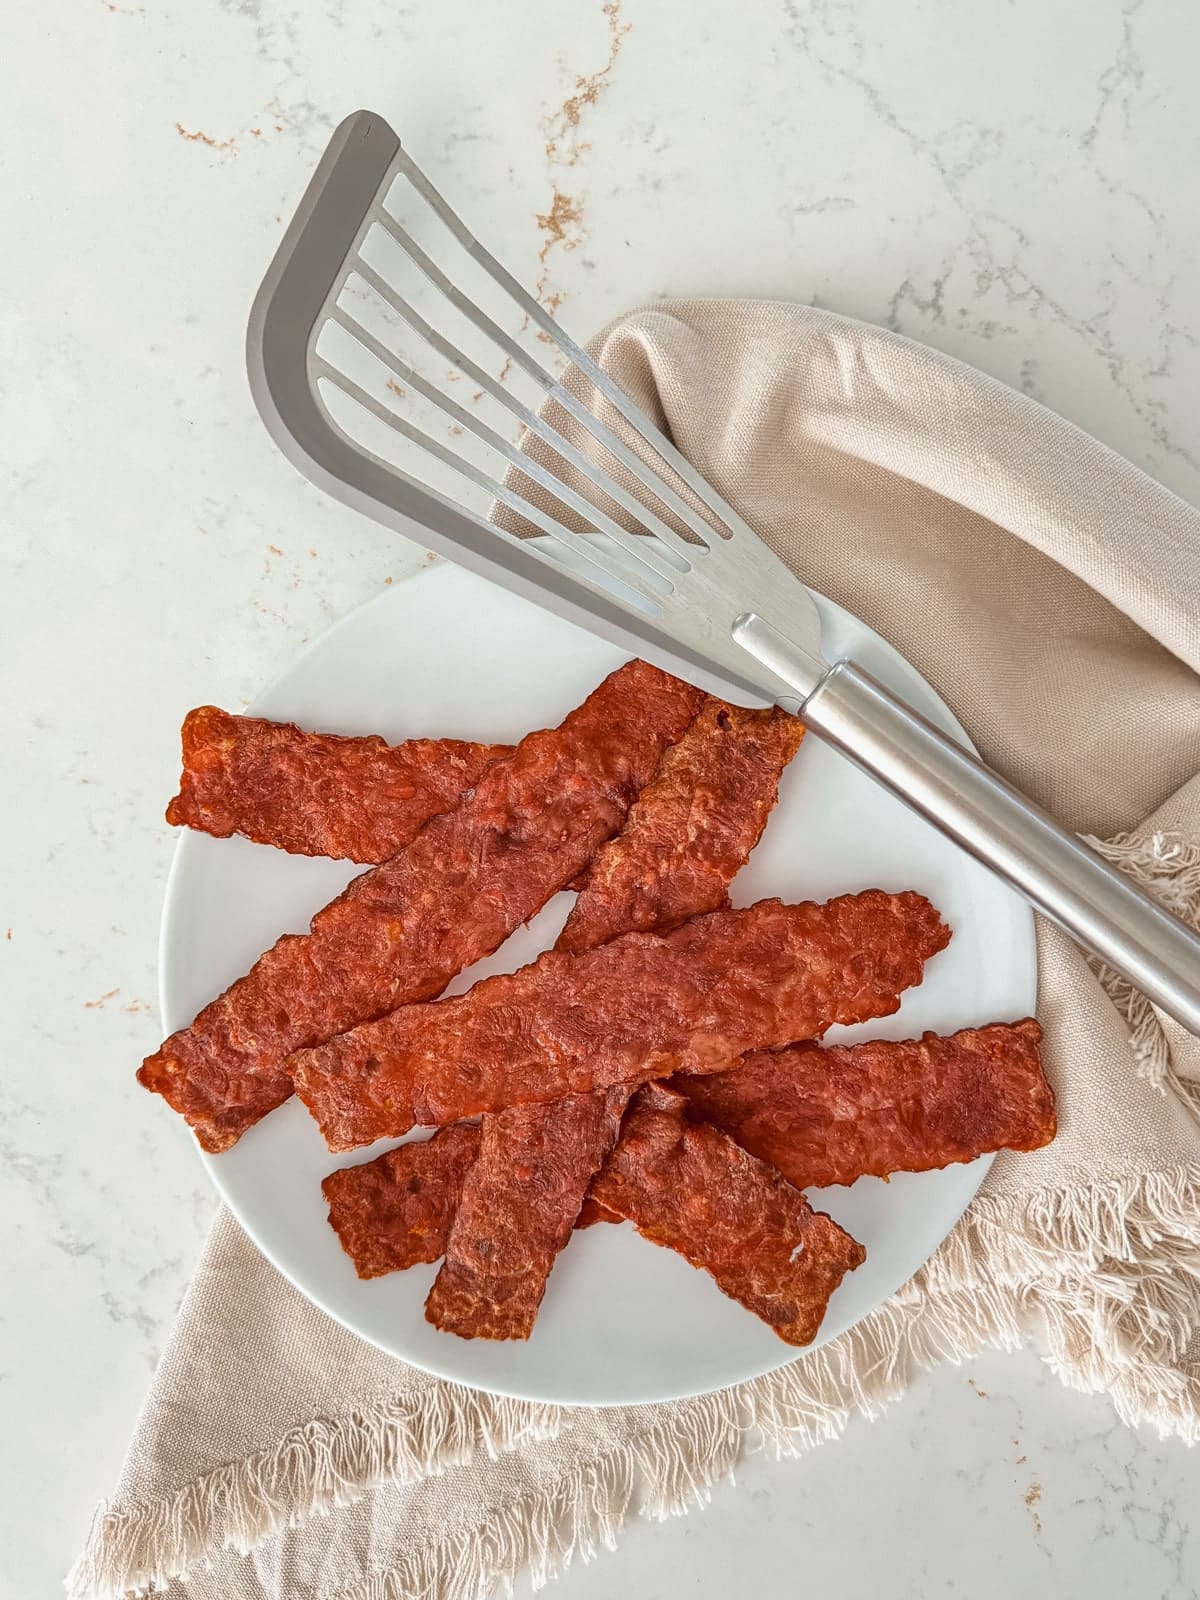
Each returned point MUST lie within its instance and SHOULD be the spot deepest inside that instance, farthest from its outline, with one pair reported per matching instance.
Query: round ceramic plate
(623, 1321)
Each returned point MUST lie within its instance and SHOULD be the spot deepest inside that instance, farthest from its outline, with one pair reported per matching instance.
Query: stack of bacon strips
(659, 1065)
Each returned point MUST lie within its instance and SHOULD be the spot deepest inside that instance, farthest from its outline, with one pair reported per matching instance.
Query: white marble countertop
(1010, 180)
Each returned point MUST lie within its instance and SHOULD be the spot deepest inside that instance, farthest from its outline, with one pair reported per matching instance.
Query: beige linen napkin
(1052, 593)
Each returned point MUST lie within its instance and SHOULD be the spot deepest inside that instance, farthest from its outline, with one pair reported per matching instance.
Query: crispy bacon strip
(400, 932)
(825, 1115)
(640, 1007)
(499, 1253)
(690, 830)
(685, 837)
(690, 1187)
(396, 1211)
(317, 794)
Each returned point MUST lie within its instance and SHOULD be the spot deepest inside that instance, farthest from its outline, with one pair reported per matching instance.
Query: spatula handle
(1099, 906)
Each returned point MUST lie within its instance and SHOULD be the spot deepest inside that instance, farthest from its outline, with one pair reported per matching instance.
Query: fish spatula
(672, 574)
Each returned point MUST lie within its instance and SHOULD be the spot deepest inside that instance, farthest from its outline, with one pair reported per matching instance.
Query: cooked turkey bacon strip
(501, 1246)
(318, 794)
(831, 1114)
(690, 1187)
(638, 1008)
(690, 830)
(396, 1211)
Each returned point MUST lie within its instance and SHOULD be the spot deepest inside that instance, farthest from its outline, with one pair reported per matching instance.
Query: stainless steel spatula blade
(632, 542)
(672, 616)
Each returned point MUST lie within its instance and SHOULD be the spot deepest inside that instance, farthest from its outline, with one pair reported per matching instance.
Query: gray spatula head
(666, 573)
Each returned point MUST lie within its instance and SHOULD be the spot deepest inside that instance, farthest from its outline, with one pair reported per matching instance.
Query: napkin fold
(1051, 592)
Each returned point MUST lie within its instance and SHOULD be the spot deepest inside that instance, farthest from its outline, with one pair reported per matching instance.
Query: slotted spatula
(697, 594)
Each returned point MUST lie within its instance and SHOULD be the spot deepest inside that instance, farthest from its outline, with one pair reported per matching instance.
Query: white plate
(622, 1321)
